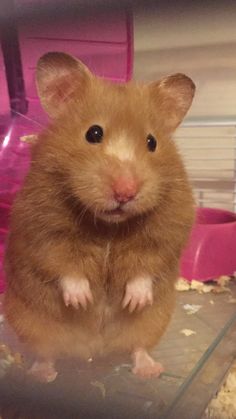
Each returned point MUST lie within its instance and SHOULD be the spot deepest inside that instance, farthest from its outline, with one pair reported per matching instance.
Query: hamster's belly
(103, 329)
(116, 330)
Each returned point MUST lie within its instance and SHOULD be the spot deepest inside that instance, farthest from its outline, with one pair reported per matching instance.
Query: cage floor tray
(195, 365)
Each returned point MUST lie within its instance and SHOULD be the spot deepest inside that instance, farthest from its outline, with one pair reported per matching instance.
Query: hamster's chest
(108, 264)
(110, 256)
(107, 256)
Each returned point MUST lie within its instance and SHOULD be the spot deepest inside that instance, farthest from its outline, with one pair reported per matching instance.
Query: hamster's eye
(94, 134)
(151, 143)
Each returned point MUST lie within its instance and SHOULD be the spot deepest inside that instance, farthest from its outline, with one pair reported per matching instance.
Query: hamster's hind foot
(144, 365)
(43, 371)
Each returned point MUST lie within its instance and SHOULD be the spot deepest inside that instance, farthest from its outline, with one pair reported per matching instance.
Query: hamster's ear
(58, 76)
(172, 97)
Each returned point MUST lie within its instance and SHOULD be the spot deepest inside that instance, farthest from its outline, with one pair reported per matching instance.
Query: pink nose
(125, 189)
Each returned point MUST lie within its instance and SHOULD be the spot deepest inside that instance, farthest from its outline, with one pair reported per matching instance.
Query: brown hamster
(105, 211)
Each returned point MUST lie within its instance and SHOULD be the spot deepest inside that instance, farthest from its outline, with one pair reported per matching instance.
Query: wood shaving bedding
(191, 308)
(100, 386)
(188, 332)
(232, 300)
(31, 138)
(223, 406)
(8, 359)
(217, 287)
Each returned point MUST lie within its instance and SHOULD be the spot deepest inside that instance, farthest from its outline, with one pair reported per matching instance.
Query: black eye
(94, 134)
(151, 143)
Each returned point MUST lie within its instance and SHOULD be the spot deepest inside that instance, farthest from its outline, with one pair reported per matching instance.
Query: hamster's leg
(144, 365)
(76, 292)
(43, 371)
(138, 293)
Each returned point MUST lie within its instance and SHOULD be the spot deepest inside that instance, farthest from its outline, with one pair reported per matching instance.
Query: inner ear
(58, 76)
(172, 97)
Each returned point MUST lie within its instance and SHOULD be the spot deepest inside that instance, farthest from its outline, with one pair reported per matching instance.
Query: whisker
(94, 218)
(82, 214)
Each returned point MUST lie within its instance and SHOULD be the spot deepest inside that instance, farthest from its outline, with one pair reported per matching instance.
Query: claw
(76, 292)
(138, 294)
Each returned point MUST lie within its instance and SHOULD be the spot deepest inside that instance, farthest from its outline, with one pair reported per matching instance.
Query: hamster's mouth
(114, 215)
(116, 211)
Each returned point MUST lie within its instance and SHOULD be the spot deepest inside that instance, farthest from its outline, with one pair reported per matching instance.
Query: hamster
(99, 225)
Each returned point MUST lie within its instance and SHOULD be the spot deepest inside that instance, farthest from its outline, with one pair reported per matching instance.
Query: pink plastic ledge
(211, 251)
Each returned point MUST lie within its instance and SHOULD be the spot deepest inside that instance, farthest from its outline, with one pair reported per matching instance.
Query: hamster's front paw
(76, 292)
(138, 293)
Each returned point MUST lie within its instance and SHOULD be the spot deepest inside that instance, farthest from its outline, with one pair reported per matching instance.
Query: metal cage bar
(208, 146)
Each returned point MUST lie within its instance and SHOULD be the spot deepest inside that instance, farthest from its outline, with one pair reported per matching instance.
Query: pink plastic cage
(104, 42)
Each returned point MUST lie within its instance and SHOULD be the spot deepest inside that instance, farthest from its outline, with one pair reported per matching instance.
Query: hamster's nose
(125, 189)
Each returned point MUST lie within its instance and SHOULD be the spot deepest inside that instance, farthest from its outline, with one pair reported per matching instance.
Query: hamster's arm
(30, 267)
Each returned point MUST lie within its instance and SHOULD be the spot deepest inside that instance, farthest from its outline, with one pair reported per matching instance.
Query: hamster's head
(110, 142)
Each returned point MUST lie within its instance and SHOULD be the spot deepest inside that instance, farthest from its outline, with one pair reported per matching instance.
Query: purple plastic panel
(96, 28)
(95, 56)
(4, 101)
(104, 44)
(14, 164)
(4, 205)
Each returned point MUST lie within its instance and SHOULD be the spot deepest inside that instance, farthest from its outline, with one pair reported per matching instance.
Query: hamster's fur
(67, 225)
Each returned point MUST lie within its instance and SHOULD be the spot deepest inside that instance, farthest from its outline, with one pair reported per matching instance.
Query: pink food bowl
(211, 251)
